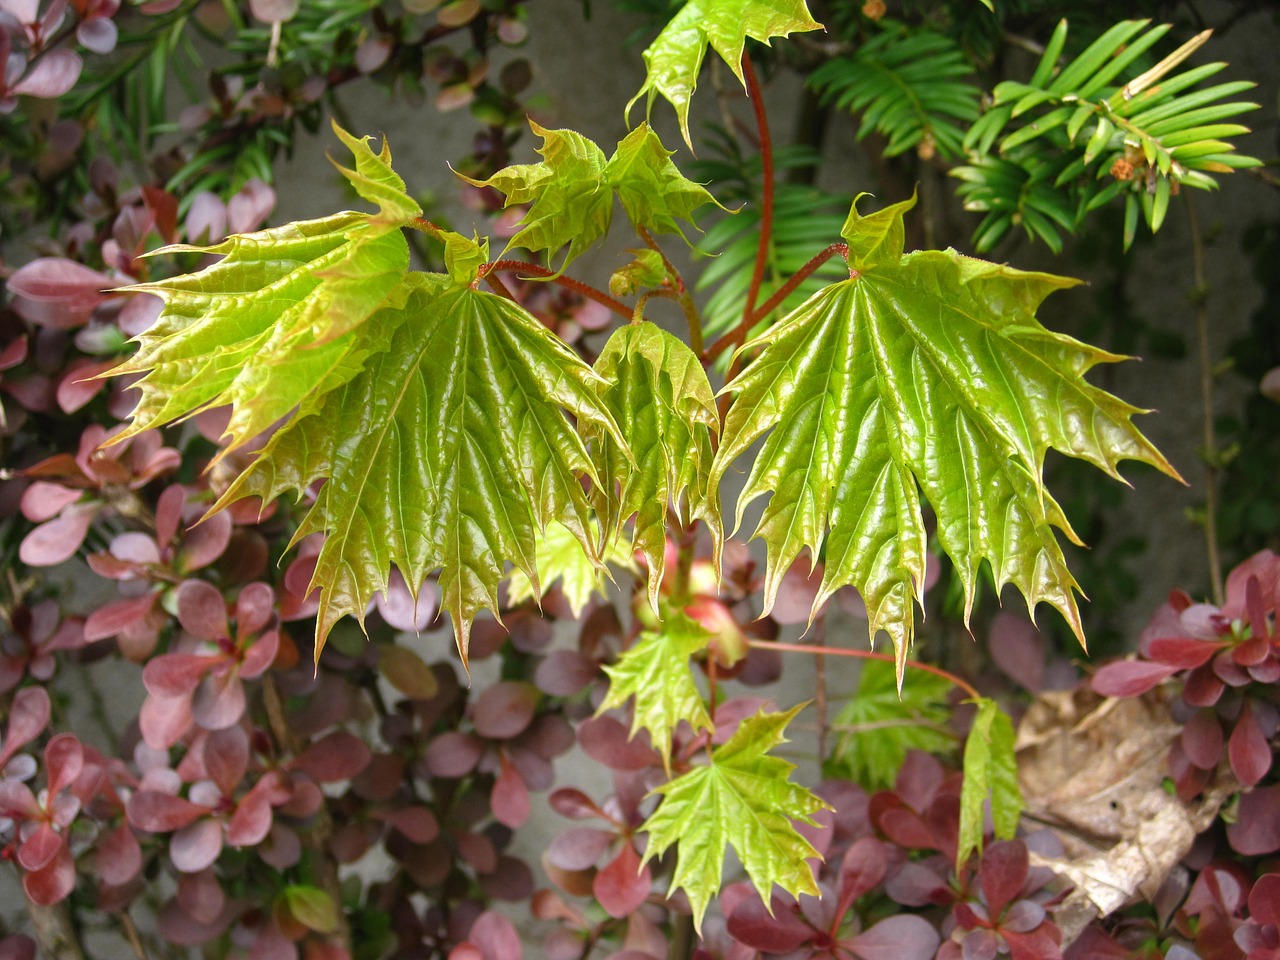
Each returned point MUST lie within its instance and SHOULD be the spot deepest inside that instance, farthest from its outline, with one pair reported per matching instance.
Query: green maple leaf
(448, 450)
(569, 202)
(559, 556)
(656, 672)
(674, 59)
(664, 407)
(743, 798)
(926, 372)
(990, 771)
(570, 193)
(272, 325)
(653, 191)
(879, 725)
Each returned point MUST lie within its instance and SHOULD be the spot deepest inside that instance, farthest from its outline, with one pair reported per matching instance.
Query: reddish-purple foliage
(1228, 660)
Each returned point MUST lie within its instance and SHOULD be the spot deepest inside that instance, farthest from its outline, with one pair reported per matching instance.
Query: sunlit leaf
(273, 324)
(665, 410)
(448, 450)
(990, 772)
(921, 374)
(569, 203)
(654, 193)
(655, 670)
(878, 727)
(674, 59)
(560, 557)
(743, 798)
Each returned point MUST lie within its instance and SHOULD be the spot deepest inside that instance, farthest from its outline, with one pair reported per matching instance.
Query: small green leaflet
(448, 450)
(674, 59)
(916, 371)
(646, 270)
(272, 325)
(743, 798)
(656, 672)
(665, 410)
(570, 193)
(990, 770)
(878, 727)
(559, 556)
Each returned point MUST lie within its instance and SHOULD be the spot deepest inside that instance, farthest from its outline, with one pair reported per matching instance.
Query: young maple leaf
(674, 58)
(271, 324)
(662, 402)
(559, 556)
(745, 798)
(990, 772)
(570, 193)
(447, 450)
(656, 672)
(925, 372)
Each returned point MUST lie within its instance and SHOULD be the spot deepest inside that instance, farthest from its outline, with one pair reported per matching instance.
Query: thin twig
(318, 834)
(690, 309)
(820, 688)
(731, 338)
(665, 293)
(500, 288)
(766, 193)
(536, 270)
(1199, 299)
(866, 655)
(131, 934)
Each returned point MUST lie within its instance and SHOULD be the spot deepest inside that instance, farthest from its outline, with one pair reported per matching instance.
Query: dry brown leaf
(1093, 769)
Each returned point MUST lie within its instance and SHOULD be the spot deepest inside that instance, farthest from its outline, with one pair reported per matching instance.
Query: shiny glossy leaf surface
(656, 672)
(665, 410)
(743, 798)
(674, 59)
(274, 324)
(448, 450)
(922, 376)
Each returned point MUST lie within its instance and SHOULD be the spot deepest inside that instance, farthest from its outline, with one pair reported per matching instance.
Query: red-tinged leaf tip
(196, 847)
(158, 812)
(54, 882)
(338, 756)
(1249, 749)
(496, 937)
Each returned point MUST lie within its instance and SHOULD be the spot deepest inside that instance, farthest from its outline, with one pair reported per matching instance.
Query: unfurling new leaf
(743, 798)
(925, 373)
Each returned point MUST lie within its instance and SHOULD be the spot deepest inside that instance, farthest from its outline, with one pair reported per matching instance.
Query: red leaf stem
(533, 269)
(766, 196)
(865, 655)
(736, 335)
